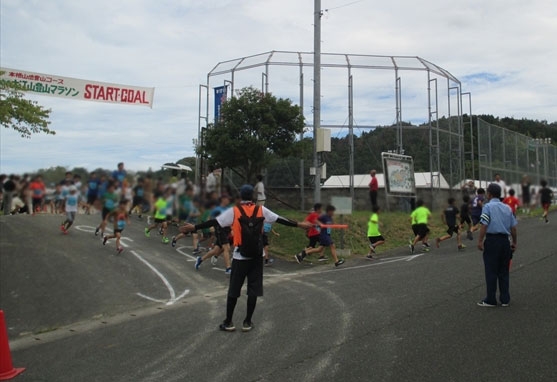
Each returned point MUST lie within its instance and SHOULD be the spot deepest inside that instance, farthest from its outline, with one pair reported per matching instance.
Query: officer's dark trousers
(497, 256)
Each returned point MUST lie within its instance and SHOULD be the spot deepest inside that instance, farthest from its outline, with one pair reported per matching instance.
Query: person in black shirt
(450, 217)
(546, 196)
(9, 186)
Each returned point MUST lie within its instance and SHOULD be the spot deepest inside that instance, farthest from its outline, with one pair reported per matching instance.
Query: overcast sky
(502, 51)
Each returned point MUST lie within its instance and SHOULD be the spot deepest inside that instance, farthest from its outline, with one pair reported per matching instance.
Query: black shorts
(253, 270)
(313, 241)
(221, 235)
(452, 229)
(421, 230)
(91, 199)
(118, 231)
(465, 219)
(105, 212)
(137, 201)
(475, 219)
(265, 239)
(158, 221)
(375, 239)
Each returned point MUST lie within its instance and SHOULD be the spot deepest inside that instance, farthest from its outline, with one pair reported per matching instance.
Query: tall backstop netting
(513, 155)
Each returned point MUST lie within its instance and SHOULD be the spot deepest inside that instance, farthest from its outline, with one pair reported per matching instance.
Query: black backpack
(252, 233)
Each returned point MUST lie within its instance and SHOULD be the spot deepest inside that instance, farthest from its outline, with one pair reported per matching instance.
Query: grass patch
(395, 228)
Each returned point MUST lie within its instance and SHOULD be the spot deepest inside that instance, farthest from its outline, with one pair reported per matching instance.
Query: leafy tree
(25, 116)
(253, 127)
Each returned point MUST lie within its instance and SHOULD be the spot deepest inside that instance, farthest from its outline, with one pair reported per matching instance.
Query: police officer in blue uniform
(497, 224)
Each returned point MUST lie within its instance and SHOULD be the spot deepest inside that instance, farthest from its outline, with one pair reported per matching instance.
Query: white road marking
(126, 242)
(173, 297)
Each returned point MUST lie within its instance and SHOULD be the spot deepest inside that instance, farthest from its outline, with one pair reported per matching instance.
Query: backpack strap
(242, 212)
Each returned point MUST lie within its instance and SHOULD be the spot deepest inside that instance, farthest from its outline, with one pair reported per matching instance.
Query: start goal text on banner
(73, 88)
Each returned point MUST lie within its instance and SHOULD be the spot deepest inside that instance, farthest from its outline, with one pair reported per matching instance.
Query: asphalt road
(76, 311)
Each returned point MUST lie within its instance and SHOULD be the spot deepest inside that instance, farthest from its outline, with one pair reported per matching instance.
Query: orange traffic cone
(7, 371)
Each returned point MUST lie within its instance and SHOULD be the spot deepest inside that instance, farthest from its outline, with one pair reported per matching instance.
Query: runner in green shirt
(420, 219)
(160, 216)
(373, 233)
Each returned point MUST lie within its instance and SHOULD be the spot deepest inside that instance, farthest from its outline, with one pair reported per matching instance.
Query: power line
(343, 6)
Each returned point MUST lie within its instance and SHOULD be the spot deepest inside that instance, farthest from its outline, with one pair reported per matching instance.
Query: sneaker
(469, 235)
(425, 249)
(97, 232)
(165, 240)
(247, 326)
(484, 304)
(196, 251)
(147, 232)
(149, 220)
(425, 244)
(62, 227)
(322, 258)
(369, 257)
(269, 262)
(160, 231)
(505, 305)
(198, 262)
(120, 250)
(214, 260)
(412, 248)
(227, 326)
(299, 258)
(461, 247)
(174, 241)
(228, 271)
(105, 239)
(339, 262)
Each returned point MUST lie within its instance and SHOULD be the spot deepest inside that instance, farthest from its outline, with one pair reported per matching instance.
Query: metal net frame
(411, 78)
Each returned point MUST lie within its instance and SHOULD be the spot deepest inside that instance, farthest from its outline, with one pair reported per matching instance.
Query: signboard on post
(220, 97)
(73, 88)
(399, 174)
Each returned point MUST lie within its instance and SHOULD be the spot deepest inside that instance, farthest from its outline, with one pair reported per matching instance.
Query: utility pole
(317, 96)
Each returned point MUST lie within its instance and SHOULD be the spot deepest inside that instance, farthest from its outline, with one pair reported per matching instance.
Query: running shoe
(165, 240)
(412, 248)
(62, 227)
(97, 231)
(228, 271)
(227, 326)
(147, 232)
(214, 260)
(105, 239)
(322, 258)
(120, 250)
(269, 262)
(247, 326)
(174, 241)
(198, 262)
(484, 304)
(369, 257)
(339, 262)
(461, 247)
(299, 258)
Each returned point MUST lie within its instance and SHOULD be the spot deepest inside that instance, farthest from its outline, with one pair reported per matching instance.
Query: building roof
(422, 180)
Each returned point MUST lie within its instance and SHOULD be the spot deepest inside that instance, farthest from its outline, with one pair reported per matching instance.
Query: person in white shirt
(260, 191)
(501, 184)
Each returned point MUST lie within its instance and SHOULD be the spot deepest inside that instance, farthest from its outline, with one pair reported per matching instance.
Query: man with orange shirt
(244, 265)
(38, 191)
